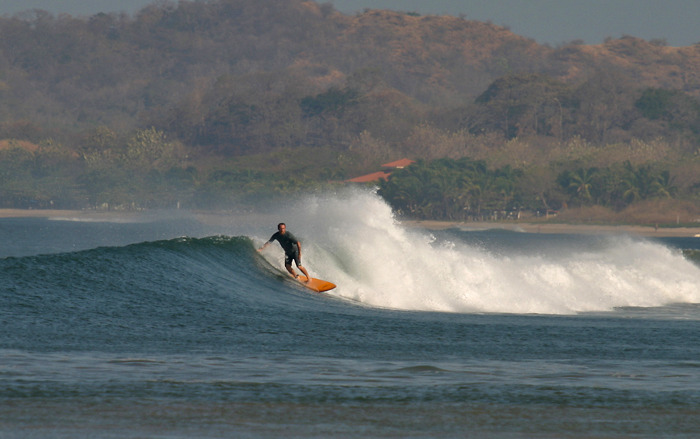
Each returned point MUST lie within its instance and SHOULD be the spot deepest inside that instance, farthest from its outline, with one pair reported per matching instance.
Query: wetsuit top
(287, 241)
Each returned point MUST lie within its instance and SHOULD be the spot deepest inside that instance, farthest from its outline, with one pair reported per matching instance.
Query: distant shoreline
(543, 227)
(69, 214)
(517, 226)
(39, 213)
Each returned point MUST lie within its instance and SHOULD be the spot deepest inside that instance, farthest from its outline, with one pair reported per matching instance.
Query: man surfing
(292, 250)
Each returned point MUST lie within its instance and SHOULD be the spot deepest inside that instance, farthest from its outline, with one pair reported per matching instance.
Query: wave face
(354, 240)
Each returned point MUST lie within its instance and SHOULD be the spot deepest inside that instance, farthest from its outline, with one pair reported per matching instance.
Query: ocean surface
(171, 325)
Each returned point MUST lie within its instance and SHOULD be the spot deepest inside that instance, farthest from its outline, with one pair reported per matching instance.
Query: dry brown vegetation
(233, 90)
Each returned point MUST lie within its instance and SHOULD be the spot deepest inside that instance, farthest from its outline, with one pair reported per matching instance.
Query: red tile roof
(398, 163)
(375, 176)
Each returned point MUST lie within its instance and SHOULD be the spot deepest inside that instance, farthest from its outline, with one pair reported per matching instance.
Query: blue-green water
(175, 327)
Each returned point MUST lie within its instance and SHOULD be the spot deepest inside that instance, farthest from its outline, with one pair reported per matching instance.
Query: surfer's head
(282, 227)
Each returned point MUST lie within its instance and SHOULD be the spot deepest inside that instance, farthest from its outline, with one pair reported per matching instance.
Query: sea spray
(354, 240)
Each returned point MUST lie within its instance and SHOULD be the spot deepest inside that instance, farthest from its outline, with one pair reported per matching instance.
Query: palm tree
(639, 183)
(582, 182)
(506, 184)
(663, 185)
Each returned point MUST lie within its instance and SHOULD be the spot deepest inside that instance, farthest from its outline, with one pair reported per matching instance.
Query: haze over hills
(239, 84)
(546, 21)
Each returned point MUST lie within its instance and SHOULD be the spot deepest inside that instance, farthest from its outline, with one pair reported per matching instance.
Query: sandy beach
(516, 226)
(39, 213)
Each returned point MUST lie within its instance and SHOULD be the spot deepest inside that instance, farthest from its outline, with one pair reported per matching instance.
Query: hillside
(652, 64)
(67, 69)
(206, 100)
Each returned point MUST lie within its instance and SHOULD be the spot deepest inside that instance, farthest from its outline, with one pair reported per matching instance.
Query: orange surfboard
(318, 285)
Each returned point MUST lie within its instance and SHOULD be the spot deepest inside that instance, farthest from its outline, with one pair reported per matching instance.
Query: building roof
(398, 163)
(375, 176)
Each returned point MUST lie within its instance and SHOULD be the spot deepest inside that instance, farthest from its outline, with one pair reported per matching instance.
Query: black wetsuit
(289, 244)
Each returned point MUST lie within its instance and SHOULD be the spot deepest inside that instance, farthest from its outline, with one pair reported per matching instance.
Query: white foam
(354, 240)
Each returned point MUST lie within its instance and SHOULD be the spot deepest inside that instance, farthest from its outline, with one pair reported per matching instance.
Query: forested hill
(183, 59)
(237, 78)
(119, 70)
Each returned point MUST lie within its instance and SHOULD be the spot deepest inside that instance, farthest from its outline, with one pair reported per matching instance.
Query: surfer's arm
(272, 238)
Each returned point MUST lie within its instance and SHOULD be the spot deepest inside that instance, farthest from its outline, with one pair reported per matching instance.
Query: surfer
(292, 250)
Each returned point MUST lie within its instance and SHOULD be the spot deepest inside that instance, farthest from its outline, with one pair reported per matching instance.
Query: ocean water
(172, 325)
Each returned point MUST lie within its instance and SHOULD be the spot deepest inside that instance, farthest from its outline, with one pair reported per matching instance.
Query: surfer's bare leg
(306, 273)
(291, 270)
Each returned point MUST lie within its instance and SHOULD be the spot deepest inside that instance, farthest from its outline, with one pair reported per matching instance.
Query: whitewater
(355, 240)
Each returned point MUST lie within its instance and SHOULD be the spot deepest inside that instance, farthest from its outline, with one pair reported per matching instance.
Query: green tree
(644, 182)
(149, 149)
(333, 102)
(655, 103)
(452, 189)
(601, 105)
(522, 104)
(663, 186)
(579, 184)
(673, 108)
(506, 184)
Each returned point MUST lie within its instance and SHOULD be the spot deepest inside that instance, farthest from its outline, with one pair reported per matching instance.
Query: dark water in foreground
(173, 329)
